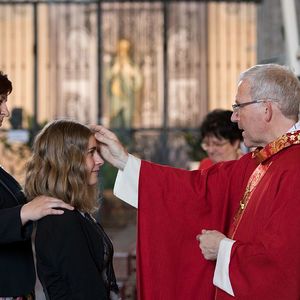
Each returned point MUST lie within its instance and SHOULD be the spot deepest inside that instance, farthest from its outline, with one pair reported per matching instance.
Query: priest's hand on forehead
(110, 147)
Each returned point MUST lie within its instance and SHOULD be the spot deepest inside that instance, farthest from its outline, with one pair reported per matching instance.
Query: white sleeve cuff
(221, 275)
(127, 181)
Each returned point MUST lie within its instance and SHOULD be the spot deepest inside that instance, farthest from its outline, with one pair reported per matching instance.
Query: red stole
(262, 155)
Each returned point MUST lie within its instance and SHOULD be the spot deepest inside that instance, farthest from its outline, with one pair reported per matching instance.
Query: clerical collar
(286, 140)
(295, 127)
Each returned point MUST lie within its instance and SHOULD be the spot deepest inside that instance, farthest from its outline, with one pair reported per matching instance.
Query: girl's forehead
(92, 142)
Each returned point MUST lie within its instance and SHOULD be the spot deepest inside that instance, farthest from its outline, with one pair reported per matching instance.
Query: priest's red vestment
(175, 205)
(265, 259)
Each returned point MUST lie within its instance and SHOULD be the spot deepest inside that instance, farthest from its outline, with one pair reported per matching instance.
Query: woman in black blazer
(17, 274)
(74, 255)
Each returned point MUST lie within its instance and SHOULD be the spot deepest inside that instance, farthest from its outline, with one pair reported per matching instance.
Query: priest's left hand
(209, 242)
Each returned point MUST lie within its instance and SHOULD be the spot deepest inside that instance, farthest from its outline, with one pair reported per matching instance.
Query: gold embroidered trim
(286, 140)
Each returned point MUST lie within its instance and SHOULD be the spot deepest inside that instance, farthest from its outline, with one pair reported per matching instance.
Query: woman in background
(221, 138)
(74, 255)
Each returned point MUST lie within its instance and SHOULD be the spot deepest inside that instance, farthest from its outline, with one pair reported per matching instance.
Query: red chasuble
(175, 205)
(265, 260)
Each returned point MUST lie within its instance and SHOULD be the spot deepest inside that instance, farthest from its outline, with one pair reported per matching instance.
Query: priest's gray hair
(275, 82)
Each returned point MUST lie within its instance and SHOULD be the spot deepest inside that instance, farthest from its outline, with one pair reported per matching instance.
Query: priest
(244, 213)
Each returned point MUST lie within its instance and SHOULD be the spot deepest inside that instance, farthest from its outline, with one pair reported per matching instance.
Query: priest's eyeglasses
(237, 106)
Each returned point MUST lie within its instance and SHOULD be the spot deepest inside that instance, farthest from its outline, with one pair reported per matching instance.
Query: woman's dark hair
(218, 123)
(5, 84)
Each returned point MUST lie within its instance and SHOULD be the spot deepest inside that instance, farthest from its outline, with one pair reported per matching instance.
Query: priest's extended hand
(110, 147)
(209, 242)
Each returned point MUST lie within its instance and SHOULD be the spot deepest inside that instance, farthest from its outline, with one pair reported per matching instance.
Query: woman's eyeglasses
(206, 145)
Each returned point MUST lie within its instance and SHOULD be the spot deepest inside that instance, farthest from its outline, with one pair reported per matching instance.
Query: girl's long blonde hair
(57, 167)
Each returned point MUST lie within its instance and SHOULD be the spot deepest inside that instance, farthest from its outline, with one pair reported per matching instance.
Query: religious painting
(132, 87)
(124, 83)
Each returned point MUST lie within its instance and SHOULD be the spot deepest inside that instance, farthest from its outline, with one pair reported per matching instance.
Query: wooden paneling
(16, 54)
(231, 49)
(187, 68)
(209, 44)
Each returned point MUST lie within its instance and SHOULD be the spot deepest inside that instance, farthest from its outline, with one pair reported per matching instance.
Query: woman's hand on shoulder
(42, 206)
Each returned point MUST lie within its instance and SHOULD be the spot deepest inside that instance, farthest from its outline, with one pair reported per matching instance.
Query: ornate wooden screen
(181, 58)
